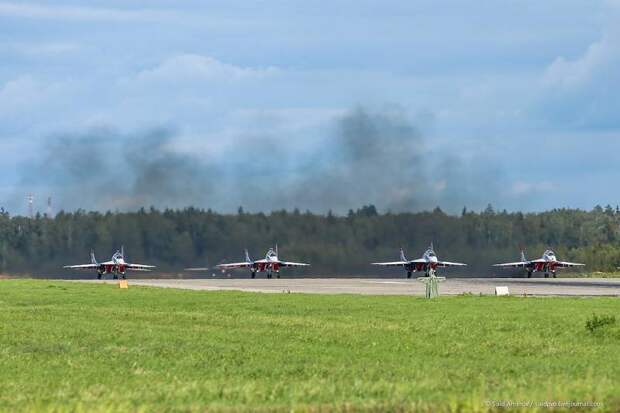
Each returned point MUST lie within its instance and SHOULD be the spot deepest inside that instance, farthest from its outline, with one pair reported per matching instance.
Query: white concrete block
(502, 291)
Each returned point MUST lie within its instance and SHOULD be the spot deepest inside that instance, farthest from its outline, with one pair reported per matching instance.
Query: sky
(407, 105)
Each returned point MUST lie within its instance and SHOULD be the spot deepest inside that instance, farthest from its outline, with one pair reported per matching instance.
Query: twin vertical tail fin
(523, 259)
(402, 255)
(122, 251)
(93, 260)
(247, 256)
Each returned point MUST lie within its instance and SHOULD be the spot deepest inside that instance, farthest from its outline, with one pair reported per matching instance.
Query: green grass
(83, 347)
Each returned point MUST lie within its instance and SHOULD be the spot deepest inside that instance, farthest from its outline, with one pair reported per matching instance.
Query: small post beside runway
(123, 284)
(432, 284)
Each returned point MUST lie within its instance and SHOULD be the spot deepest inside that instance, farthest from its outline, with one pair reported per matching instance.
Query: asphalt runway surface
(396, 286)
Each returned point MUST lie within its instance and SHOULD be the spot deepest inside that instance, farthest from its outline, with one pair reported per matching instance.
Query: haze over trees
(334, 245)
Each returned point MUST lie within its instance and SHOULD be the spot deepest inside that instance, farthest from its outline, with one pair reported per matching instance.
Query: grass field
(84, 347)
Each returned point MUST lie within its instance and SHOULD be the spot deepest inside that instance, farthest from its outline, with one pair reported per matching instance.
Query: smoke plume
(370, 157)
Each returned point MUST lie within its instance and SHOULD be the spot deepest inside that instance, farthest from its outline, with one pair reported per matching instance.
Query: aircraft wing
(292, 264)
(391, 264)
(517, 264)
(197, 269)
(397, 263)
(444, 264)
(565, 264)
(82, 266)
(233, 265)
(139, 267)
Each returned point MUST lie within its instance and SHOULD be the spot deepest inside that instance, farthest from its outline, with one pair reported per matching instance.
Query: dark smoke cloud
(103, 169)
(371, 157)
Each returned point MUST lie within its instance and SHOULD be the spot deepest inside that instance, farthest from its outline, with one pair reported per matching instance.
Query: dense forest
(333, 244)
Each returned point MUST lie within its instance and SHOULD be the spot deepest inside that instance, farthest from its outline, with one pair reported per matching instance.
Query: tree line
(332, 244)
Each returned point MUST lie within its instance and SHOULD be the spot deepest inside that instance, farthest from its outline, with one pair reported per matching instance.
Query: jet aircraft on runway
(428, 262)
(116, 265)
(269, 264)
(548, 264)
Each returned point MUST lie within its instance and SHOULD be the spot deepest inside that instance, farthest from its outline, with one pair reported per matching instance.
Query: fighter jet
(427, 263)
(548, 264)
(116, 265)
(269, 264)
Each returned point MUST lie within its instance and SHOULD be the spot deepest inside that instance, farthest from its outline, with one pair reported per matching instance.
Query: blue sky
(513, 103)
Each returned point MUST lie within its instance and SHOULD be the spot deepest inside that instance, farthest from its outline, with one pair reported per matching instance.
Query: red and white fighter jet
(548, 264)
(427, 263)
(116, 265)
(270, 264)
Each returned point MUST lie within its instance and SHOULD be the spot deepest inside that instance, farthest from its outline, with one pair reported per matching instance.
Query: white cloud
(32, 49)
(26, 93)
(582, 92)
(31, 105)
(37, 11)
(20, 92)
(196, 67)
(522, 188)
(600, 59)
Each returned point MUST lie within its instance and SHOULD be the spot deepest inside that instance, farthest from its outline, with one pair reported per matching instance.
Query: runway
(397, 286)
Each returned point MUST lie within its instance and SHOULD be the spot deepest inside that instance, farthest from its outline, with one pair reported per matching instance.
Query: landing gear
(253, 274)
(546, 275)
(278, 274)
(529, 274)
(553, 274)
(268, 274)
(98, 276)
(408, 274)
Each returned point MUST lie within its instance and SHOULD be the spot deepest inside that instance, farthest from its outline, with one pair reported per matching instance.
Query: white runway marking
(386, 282)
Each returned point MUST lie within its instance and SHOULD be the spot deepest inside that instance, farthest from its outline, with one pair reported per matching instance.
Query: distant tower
(30, 205)
(49, 207)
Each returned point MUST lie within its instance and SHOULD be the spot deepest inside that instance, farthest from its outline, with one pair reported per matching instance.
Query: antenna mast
(30, 199)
